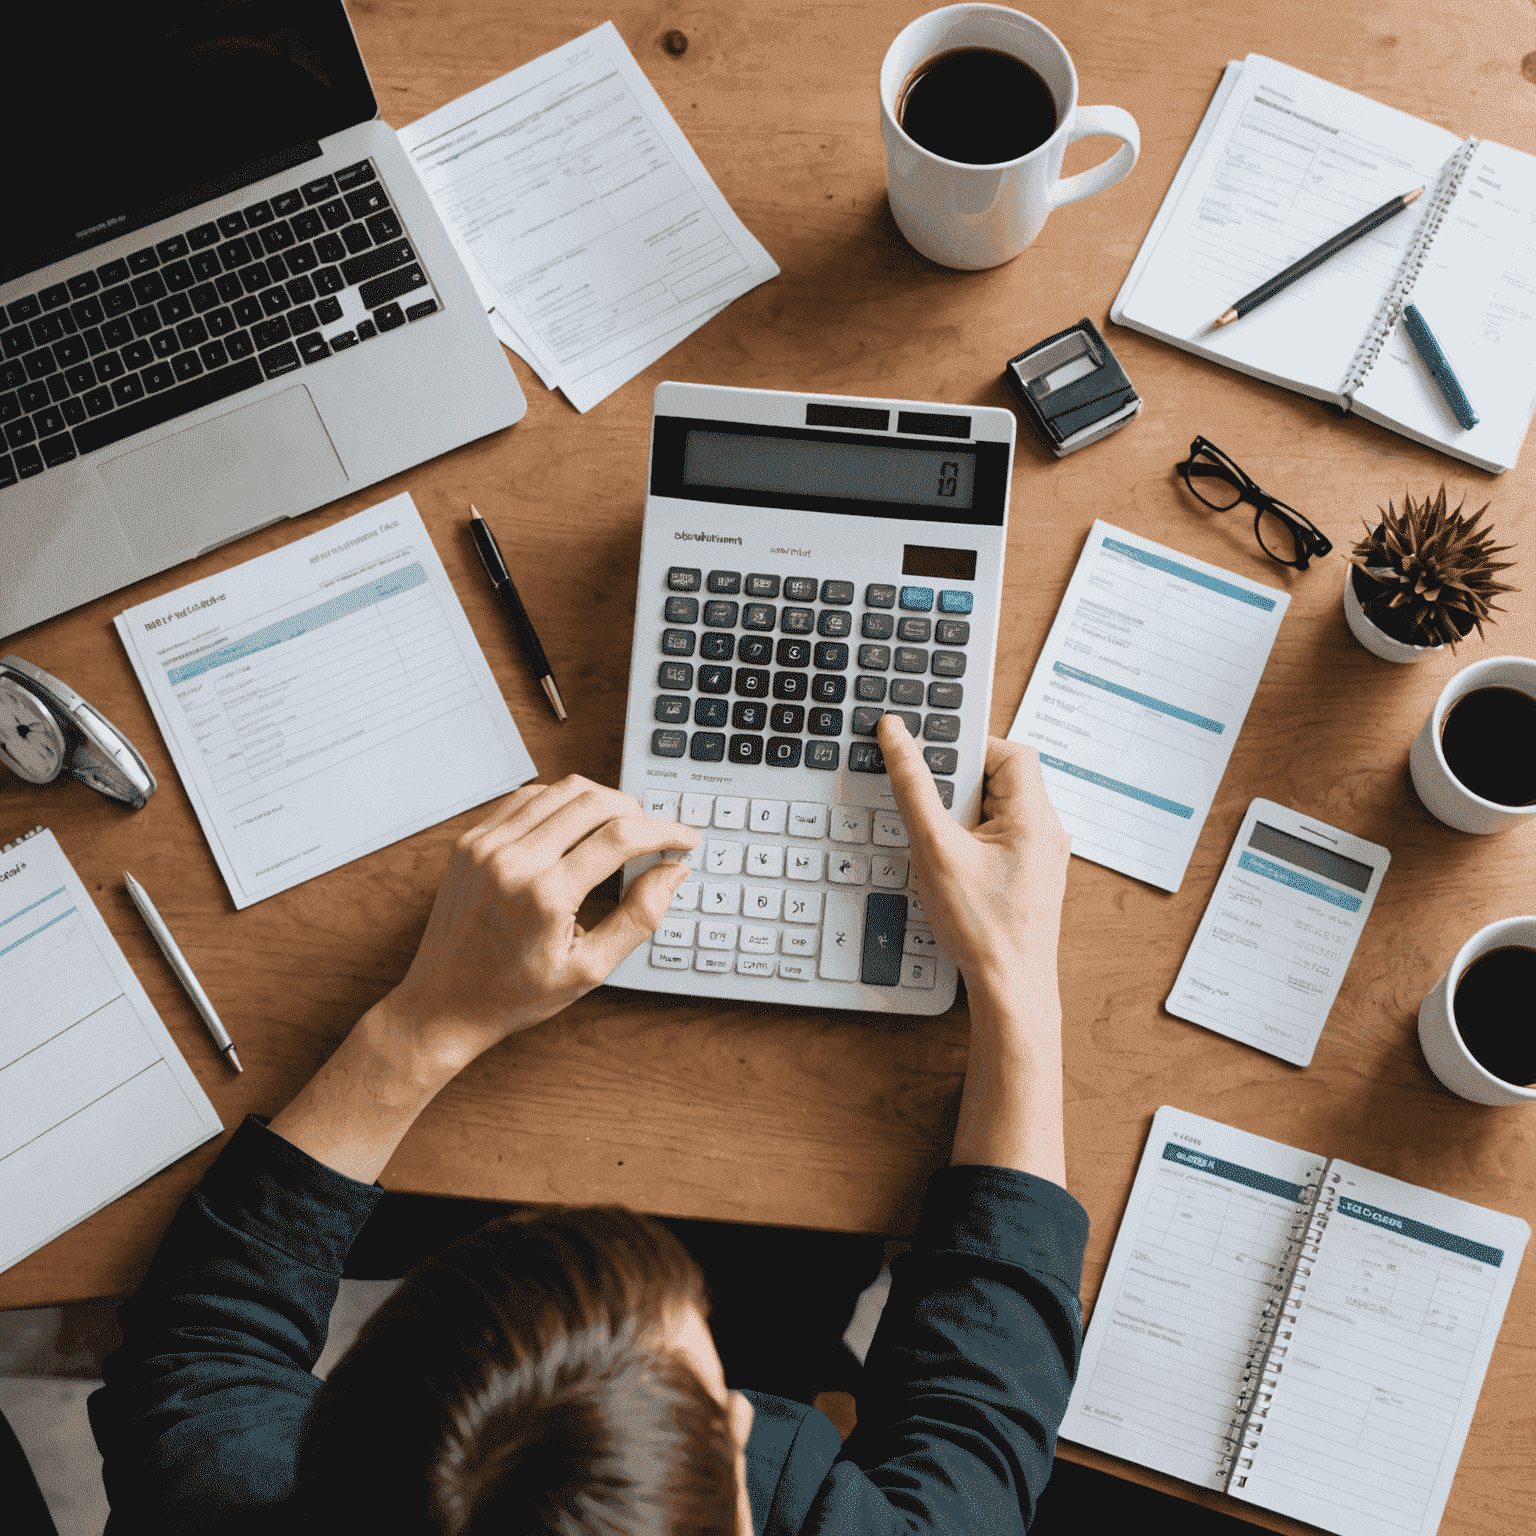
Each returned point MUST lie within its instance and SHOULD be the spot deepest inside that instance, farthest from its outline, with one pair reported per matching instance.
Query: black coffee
(1489, 741)
(1495, 1010)
(977, 106)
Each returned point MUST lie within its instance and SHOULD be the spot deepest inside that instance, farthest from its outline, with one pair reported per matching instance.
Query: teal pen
(1440, 371)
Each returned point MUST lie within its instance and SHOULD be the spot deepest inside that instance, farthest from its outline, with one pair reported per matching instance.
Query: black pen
(496, 569)
(1266, 291)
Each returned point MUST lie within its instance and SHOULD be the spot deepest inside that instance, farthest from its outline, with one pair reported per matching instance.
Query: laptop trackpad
(213, 481)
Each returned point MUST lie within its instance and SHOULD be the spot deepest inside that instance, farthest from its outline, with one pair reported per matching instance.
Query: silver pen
(178, 961)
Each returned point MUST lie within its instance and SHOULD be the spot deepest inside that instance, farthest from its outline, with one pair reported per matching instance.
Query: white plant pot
(1373, 639)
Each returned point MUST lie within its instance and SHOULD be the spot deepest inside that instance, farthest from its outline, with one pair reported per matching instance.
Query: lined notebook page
(1379, 1380)
(94, 1095)
(1200, 1249)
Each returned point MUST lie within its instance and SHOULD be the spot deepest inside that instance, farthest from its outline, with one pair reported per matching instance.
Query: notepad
(1136, 701)
(1283, 160)
(1298, 1331)
(94, 1095)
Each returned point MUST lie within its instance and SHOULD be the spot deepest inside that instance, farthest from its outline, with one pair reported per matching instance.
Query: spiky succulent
(1434, 568)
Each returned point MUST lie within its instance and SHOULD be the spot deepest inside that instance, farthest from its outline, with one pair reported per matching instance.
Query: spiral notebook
(1297, 1331)
(1281, 161)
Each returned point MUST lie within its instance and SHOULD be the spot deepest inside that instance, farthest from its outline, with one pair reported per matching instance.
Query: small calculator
(808, 564)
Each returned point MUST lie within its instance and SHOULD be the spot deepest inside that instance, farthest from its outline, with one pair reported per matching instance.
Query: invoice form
(324, 700)
(1137, 698)
(583, 214)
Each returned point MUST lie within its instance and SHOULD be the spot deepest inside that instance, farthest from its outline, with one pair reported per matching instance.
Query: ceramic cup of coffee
(1477, 1024)
(1474, 763)
(977, 106)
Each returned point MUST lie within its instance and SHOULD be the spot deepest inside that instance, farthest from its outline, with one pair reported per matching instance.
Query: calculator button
(799, 941)
(717, 647)
(676, 676)
(803, 864)
(841, 936)
(888, 830)
(825, 722)
(873, 626)
(865, 721)
(762, 901)
(945, 695)
(677, 931)
(707, 747)
(831, 655)
(941, 759)
(677, 642)
(907, 629)
(910, 659)
(804, 906)
(686, 897)
(711, 679)
(751, 682)
(865, 757)
(786, 717)
(955, 602)
(668, 743)
(712, 962)
(784, 752)
(917, 972)
(919, 941)
(709, 712)
(875, 658)
(822, 754)
(790, 685)
(722, 615)
(660, 804)
(682, 610)
(949, 663)
(878, 595)
(834, 623)
(769, 816)
(669, 959)
(746, 750)
(798, 621)
(850, 824)
(869, 688)
(716, 935)
(682, 578)
(758, 941)
(754, 650)
(906, 690)
(917, 599)
(941, 728)
(946, 789)
(829, 688)
(722, 900)
(730, 581)
(952, 632)
(800, 589)
(884, 919)
(696, 810)
(888, 870)
(749, 715)
(759, 585)
(759, 616)
(793, 653)
(723, 858)
(796, 970)
(839, 592)
(730, 813)
(914, 909)
(672, 709)
(755, 965)
(806, 819)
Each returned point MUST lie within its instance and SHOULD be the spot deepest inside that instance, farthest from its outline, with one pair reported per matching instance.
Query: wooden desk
(834, 1120)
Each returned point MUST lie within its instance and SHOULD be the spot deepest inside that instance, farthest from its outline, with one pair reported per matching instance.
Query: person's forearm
(1011, 1107)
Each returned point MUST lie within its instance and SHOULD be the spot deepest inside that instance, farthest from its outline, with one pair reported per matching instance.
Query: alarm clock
(47, 730)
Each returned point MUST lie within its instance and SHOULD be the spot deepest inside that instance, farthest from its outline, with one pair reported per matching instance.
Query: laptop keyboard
(256, 294)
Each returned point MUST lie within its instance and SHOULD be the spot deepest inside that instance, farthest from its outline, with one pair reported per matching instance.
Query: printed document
(589, 226)
(94, 1095)
(324, 700)
(1138, 696)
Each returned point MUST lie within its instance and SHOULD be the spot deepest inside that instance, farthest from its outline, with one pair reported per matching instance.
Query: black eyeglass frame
(1307, 539)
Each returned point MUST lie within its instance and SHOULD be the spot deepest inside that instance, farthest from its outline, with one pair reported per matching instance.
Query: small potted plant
(1423, 578)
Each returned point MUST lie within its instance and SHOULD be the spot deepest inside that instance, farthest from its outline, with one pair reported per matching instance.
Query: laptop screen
(116, 115)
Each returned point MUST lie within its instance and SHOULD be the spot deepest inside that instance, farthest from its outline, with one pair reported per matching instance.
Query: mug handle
(1090, 123)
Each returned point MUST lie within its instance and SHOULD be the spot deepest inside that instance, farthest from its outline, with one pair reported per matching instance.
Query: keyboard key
(906, 690)
(746, 714)
(54, 295)
(681, 610)
(203, 236)
(259, 213)
(239, 344)
(696, 810)
(888, 871)
(955, 602)
(918, 941)
(911, 659)
(829, 688)
(745, 750)
(660, 804)
(327, 311)
(806, 818)
(712, 713)
(755, 965)
(668, 743)
(335, 215)
(769, 816)
(784, 752)
(804, 864)
(850, 824)
(390, 318)
(945, 695)
(713, 679)
(366, 200)
(754, 650)
(800, 589)
(888, 830)
(798, 621)
(328, 280)
(143, 261)
(88, 311)
(848, 869)
(366, 330)
(875, 658)
(159, 376)
(686, 897)
(19, 432)
(946, 789)
(392, 285)
(753, 682)
(786, 717)
(674, 642)
(754, 940)
(834, 623)
(356, 239)
(759, 616)
(675, 676)
(915, 629)
(417, 311)
(842, 935)
(711, 962)
(804, 906)
(838, 592)
(917, 599)
(795, 969)
(825, 722)
(793, 653)
(718, 581)
(676, 931)
(877, 626)
(831, 655)
(83, 283)
(949, 663)
(383, 226)
(187, 366)
(790, 685)
(718, 900)
(28, 461)
(762, 586)
(8, 475)
(670, 959)
(269, 332)
(317, 191)
(882, 962)
(799, 941)
(941, 759)
(762, 901)
(765, 861)
(286, 203)
(917, 971)
(669, 709)
(722, 857)
(707, 747)
(941, 728)
(823, 755)
(57, 450)
(23, 309)
(865, 757)
(683, 578)
(719, 614)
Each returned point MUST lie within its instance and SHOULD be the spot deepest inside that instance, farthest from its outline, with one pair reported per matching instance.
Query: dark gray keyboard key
(834, 624)
(389, 318)
(952, 631)
(375, 263)
(677, 642)
(919, 630)
(753, 682)
(829, 688)
(366, 200)
(203, 236)
(286, 203)
(143, 261)
(885, 926)
(877, 626)
(793, 653)
(707, 747)
(949, 663)
(57, 450)
(82, 284)
(746, 714)
(823, 755)
(800, 589)
(383, 226)
(941, 728)
(23, 309)
(759, 616)
(754, 650)
(865, 757)
(784, 752)
(879, 595)
(906, 690)
(668, 743)
(682, 578)
(355, 175)
(318, 191)
(392, 285)
(871, 689)
(865, 721)
(258, 213)
(945, 695)
(909, 659)
(723, 581)
(28, 461)
(421, 310)
(786, 717)
(713, 679)
(746, 750)
(335, 215)
(711, 712)
(831, 655)
(759, 585)
(838, 592)
(675, 676)
(681, 610)
(717, 647)
(941, 759)
(946, 789)
(798, 621)
(313, 347)
(790, 685)
(825, 722)
(719, 614)
(875, 658)
(54, 295)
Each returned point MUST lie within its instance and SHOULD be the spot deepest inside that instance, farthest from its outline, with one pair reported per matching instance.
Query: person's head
(551, 1373)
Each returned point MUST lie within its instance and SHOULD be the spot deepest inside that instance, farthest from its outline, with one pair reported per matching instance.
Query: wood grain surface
(835, 1119)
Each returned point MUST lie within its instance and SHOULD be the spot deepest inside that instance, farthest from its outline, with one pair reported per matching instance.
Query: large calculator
(809, 563)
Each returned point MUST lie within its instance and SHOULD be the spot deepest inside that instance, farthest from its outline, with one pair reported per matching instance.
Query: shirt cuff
(263, 1184)
(1001, 1213)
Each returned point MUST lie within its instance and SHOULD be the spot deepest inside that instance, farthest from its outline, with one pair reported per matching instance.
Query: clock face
(31, 741)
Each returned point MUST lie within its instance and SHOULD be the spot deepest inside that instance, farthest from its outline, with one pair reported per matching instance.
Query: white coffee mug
(1443, 794)
(1444, 1050)
(975, 216)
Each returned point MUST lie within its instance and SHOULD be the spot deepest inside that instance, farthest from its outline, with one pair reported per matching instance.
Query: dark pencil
(512, 605)
(1266, 291)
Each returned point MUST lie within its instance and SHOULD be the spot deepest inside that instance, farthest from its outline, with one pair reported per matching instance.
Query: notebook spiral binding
(17, 842)
(1266, 1355)
(1408, 273)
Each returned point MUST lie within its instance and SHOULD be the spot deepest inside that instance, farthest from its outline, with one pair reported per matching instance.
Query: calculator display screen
(917, 476)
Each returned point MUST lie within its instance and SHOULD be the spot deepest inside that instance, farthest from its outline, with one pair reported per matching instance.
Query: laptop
(225, 297)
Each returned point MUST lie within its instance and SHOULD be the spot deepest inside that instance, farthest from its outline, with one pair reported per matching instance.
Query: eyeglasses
(1283, 533)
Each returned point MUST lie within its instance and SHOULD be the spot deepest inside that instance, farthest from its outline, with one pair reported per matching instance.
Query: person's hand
(992, 896)
(502, 949)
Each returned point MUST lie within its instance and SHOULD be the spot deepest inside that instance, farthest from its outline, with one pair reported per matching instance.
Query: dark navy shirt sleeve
(206, 1402)
(966, 1382)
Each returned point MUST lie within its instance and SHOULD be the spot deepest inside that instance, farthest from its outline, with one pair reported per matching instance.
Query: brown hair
(517, 1384)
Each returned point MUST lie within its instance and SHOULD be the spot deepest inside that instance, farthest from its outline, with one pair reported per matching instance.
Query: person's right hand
(992, 896)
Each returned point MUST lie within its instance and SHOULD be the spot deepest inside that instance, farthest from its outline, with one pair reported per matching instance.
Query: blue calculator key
(955, 602)
(917, 599)
(885, 923)
(668, 743)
